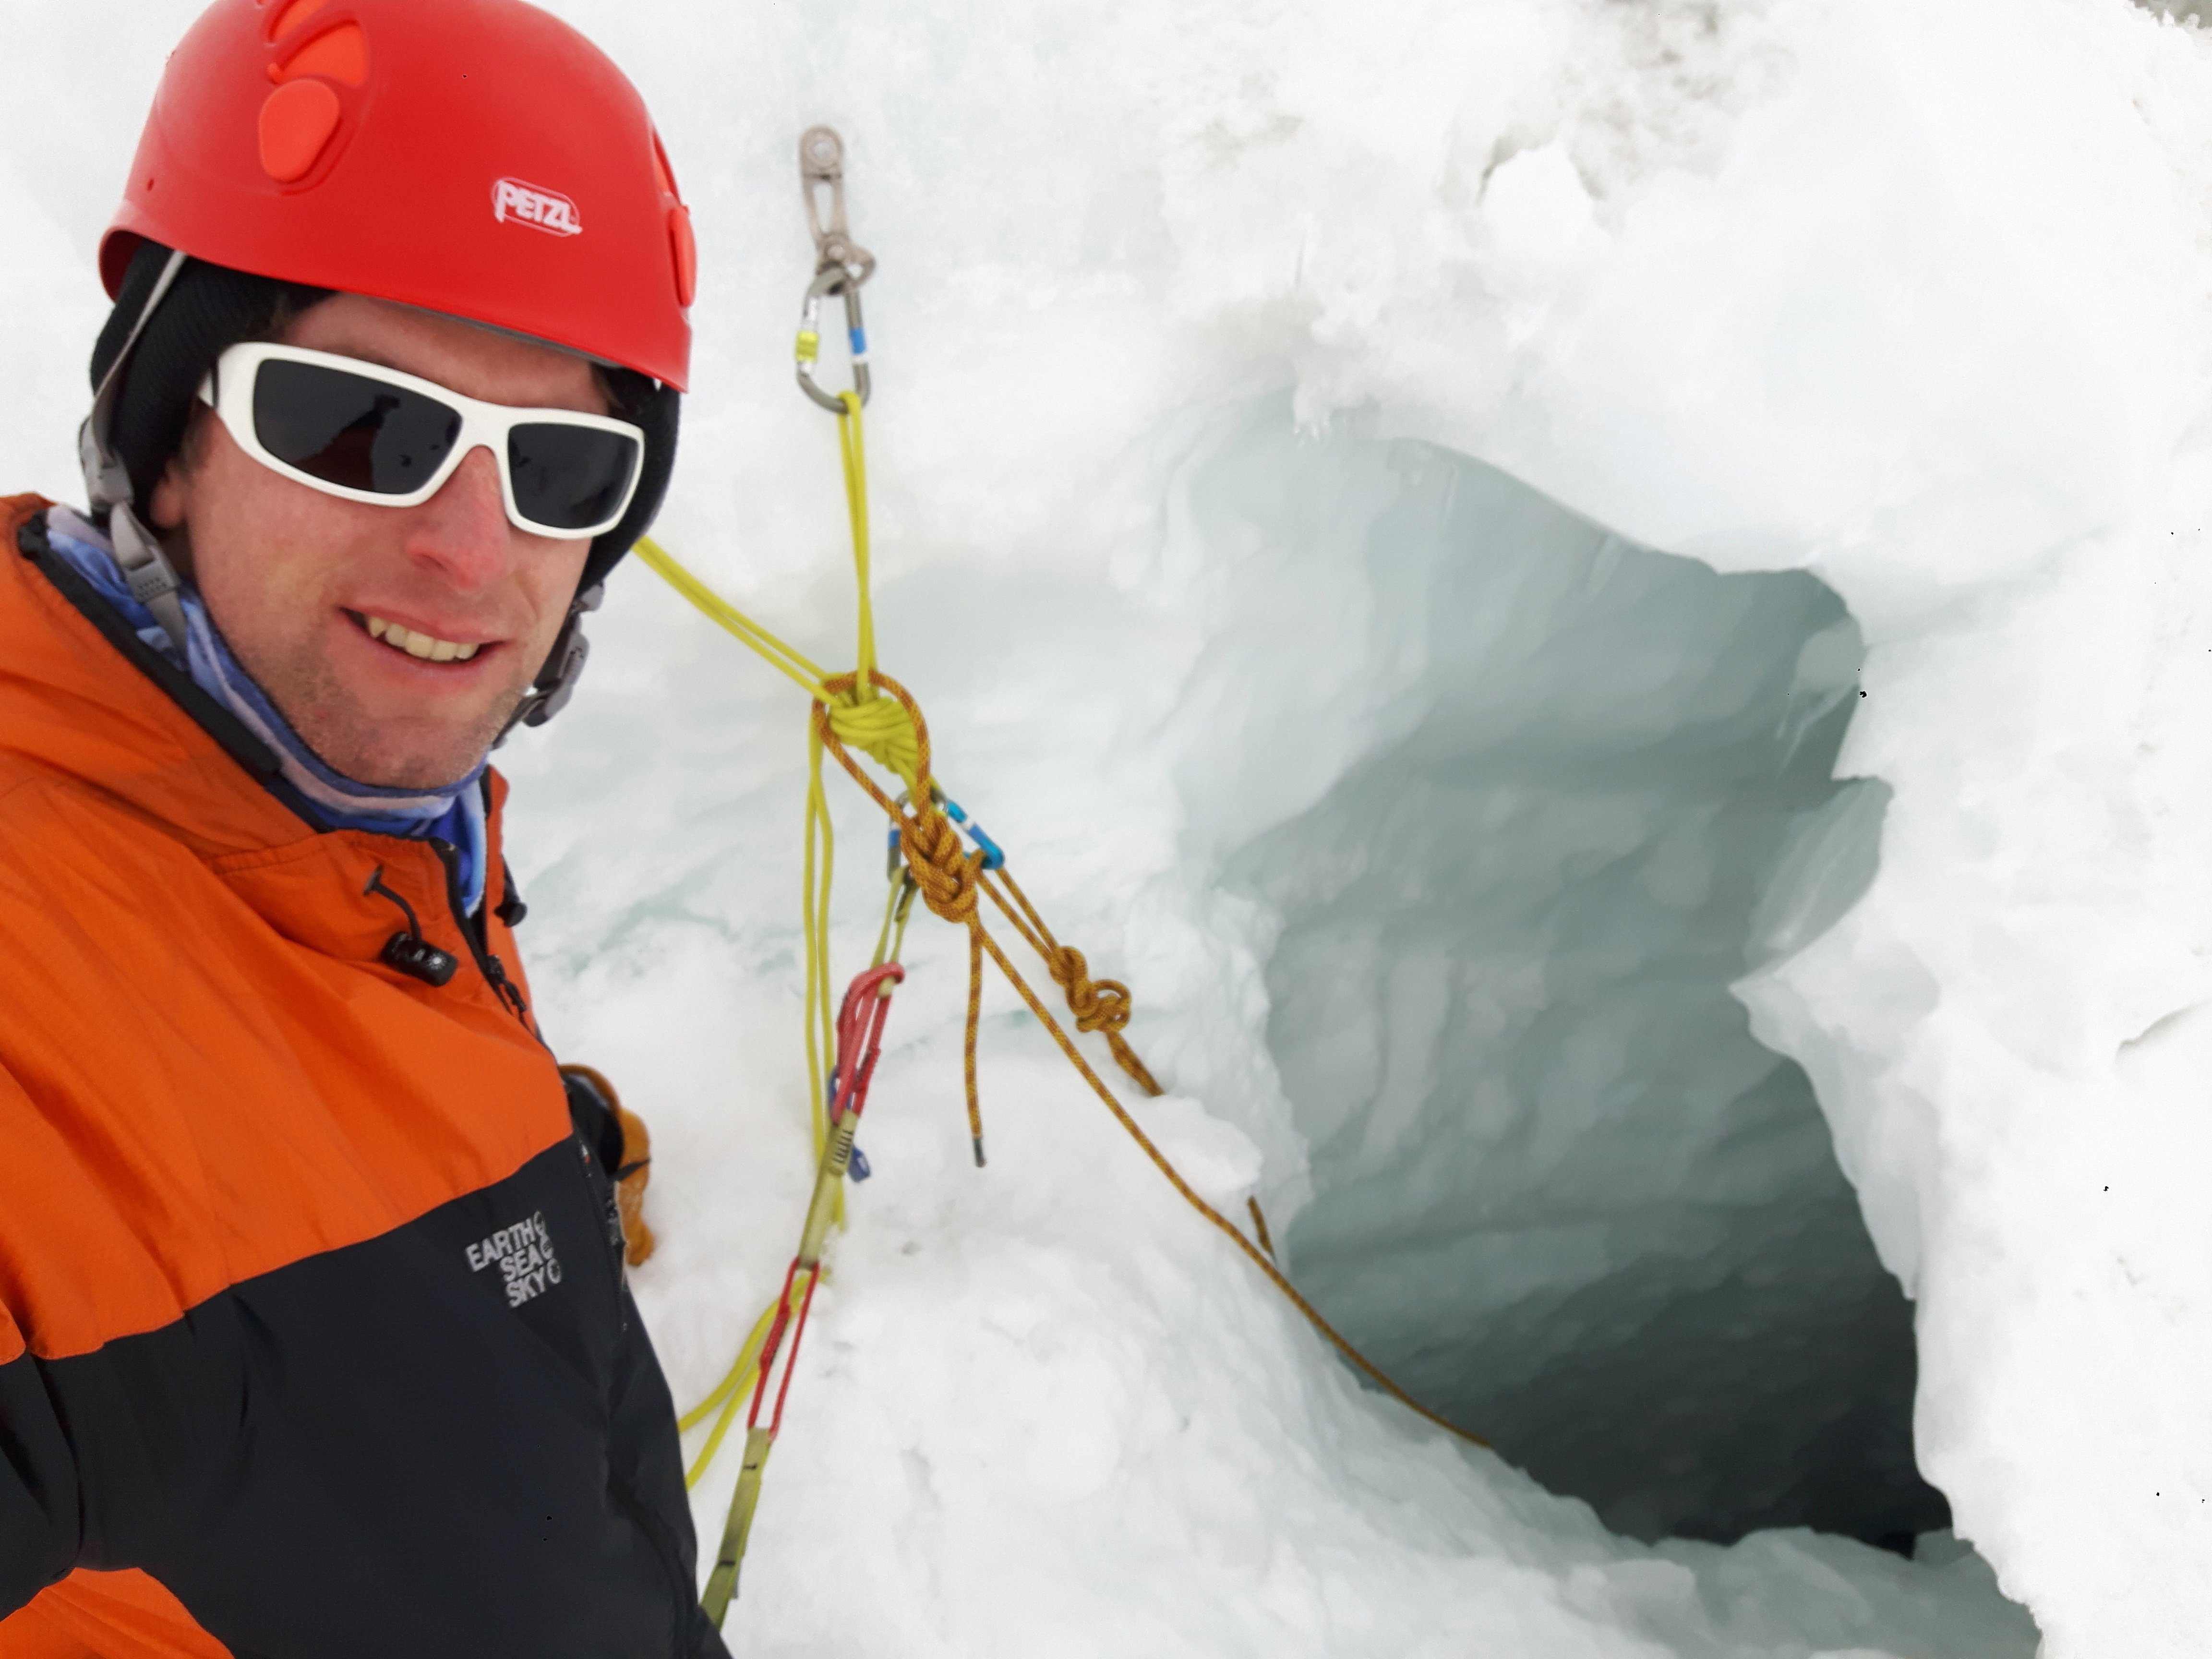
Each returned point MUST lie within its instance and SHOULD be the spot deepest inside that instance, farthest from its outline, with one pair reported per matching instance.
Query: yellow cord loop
(771, 650)
(853, 449)
(868, 712)
(879, 729)
(951, 880)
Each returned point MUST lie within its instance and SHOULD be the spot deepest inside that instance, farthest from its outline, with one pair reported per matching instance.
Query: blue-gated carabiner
(995, 857)
(841, 265)
(833, 281)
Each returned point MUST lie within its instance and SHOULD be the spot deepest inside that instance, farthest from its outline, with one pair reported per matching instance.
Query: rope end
(978, 1141)
(1260, 1226)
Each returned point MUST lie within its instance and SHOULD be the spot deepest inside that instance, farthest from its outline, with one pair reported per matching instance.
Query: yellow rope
(877, 726)
(770, 649)
(869, 711)
(852, 450)
(821, 845)
(729, 1394)
(949, 887)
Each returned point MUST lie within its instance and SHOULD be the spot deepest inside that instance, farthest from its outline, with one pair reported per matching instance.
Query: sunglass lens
(348, 430)
(570, 477)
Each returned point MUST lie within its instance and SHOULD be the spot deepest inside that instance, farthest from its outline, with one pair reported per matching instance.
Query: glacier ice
(1906, 296)
(1558, 1189)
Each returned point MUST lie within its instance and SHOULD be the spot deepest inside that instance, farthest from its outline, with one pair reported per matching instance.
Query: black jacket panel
(452, 1439)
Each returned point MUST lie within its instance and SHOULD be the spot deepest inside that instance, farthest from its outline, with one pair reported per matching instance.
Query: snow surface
(1907, 294)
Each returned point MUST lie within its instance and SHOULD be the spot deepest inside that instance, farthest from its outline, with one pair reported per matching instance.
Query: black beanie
(210, 308)
(207, 310)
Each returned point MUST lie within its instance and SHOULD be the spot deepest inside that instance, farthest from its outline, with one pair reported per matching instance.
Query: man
(314, 1337)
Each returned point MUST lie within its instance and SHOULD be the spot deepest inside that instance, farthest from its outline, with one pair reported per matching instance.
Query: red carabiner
(861, 1019)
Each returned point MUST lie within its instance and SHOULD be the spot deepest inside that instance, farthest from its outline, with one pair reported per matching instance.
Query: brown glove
(632, 1174)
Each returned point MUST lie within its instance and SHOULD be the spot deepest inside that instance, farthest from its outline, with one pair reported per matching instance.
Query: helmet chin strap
(556, 682)
(153, 578)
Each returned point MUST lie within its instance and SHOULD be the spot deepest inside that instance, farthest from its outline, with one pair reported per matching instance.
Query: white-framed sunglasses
(365, 433)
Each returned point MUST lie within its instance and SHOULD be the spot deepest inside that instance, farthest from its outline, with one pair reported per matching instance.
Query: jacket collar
(139, 730)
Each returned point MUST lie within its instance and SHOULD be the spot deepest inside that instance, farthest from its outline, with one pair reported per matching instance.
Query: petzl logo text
(525, 1255)
(513, 202)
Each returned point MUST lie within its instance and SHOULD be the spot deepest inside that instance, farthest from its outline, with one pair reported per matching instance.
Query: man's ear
(166, 509)
(168, 513)
(173, 494)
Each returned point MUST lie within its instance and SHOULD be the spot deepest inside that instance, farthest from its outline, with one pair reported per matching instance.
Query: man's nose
(462, 530)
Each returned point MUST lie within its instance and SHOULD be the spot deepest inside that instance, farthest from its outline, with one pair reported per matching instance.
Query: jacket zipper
(493, 970)
(626, 1498)
(663, 1547)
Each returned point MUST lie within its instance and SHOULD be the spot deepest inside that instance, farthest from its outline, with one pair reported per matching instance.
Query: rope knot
(949, 878)
(879, 727)
(1102, 1005)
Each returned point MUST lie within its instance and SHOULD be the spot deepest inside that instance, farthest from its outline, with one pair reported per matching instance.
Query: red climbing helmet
(475, 157)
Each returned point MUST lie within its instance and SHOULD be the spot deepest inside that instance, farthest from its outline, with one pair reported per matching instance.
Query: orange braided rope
(1260, 1226)
(951, 880)
(1097, 1005)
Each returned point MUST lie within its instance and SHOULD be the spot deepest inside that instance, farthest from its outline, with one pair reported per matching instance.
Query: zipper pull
(496, 971)
(407, 950)
(510, 909)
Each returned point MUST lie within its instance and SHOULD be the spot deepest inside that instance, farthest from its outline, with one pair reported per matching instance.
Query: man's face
(294, 577)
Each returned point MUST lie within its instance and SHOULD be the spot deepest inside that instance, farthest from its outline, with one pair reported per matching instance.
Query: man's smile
(415, 642)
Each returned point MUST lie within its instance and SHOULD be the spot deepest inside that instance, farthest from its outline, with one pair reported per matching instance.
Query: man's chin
(406, 753)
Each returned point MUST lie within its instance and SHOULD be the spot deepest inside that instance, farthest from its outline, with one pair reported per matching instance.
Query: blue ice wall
(1559, 1190)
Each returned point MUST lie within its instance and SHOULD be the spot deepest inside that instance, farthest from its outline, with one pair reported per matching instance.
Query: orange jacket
(312, 1318)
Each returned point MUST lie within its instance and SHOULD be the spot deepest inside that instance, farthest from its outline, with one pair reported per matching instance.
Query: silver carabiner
(833, 281)
(841, 264)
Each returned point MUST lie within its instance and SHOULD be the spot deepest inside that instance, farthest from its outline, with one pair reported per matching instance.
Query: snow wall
(1336, 472)
(1556, 1187)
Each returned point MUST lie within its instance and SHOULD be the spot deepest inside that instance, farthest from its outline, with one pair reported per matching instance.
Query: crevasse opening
(1557, 1187)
